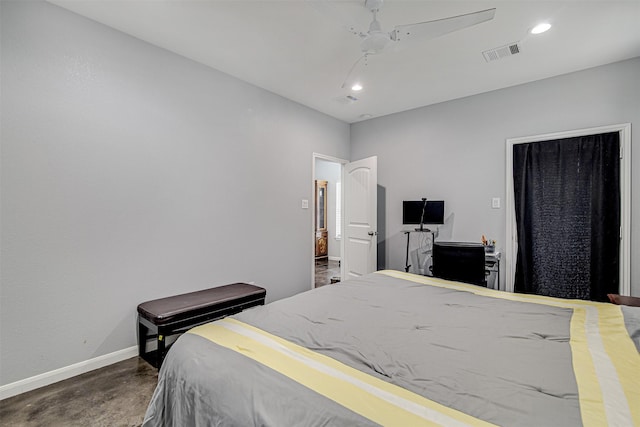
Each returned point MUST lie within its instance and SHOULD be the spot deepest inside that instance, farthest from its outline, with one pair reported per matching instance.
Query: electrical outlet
(495, 203)
(305, 204)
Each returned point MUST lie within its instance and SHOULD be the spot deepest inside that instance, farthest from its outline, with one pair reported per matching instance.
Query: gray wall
(456, 150)
(129, 173)
(330, 172)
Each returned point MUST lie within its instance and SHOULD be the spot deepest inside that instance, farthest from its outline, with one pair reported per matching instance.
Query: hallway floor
(325, 270)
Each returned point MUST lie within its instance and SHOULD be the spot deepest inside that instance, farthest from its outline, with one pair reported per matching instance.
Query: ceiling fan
(376, 41)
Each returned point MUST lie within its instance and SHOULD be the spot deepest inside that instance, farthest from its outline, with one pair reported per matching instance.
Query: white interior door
(360, 182)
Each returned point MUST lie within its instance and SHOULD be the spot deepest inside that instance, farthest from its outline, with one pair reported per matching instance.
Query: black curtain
(567, 201)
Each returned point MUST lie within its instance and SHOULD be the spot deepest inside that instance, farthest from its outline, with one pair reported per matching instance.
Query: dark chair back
(460, 261)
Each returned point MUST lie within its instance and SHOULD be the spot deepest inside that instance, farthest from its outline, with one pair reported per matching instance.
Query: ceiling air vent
(349, 99)
(501, 52)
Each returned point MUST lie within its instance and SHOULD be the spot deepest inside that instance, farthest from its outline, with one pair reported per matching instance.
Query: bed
(393, 348)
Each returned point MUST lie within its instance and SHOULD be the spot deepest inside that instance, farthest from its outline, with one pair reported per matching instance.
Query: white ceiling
(300, 49)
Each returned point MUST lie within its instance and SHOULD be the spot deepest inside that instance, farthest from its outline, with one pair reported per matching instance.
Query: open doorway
(327, 218)
(354, 238)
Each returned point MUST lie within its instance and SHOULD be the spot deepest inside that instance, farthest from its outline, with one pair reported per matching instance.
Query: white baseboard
(31, 383)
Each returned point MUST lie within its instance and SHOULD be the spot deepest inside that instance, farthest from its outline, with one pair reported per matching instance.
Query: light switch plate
(495, 203)
(305, 204)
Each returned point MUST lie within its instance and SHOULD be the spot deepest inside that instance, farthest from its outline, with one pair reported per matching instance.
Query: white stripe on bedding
(615, 401)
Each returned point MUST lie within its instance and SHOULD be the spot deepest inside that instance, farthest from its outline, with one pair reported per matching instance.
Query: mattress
(393, 348)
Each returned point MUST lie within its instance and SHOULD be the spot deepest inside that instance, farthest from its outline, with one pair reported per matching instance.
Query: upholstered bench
(623, 300)
(174, 315)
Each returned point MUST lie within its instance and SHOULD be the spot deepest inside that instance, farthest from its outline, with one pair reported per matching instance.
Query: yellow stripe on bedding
(482, 291)
(373, 398)
(623, 355)
(606, 363)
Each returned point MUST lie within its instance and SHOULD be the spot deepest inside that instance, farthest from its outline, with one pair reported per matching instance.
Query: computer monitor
(412, 212)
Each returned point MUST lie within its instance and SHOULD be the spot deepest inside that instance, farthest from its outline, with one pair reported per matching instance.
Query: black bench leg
(142, 339)
(161, 349)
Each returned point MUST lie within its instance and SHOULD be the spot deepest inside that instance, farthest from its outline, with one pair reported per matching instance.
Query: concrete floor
(116, 395)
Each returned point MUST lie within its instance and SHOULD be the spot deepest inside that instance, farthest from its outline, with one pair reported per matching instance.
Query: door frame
(317, 156)
(511, 244)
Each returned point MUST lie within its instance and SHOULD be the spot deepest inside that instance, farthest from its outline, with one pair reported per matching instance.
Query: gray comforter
(502, 361)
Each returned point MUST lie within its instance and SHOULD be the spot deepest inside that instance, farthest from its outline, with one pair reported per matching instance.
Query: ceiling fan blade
(432, 29)
(347, 79)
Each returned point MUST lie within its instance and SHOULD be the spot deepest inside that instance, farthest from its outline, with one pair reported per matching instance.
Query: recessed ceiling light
(356, 87)
(540, 28)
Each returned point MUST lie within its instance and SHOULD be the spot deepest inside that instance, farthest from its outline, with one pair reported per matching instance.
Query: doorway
(327, 217)
(512, 249)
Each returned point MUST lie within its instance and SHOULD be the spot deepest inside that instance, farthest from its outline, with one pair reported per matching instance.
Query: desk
(491, 260)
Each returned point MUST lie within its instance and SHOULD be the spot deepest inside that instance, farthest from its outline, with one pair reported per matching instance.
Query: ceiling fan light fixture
(540, 28)
(375, 42)
(356, 87)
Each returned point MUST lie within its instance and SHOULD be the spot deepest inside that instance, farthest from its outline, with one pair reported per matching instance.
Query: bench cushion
(171, 309)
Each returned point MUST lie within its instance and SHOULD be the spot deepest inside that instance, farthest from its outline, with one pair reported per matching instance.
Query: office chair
(460, 261)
